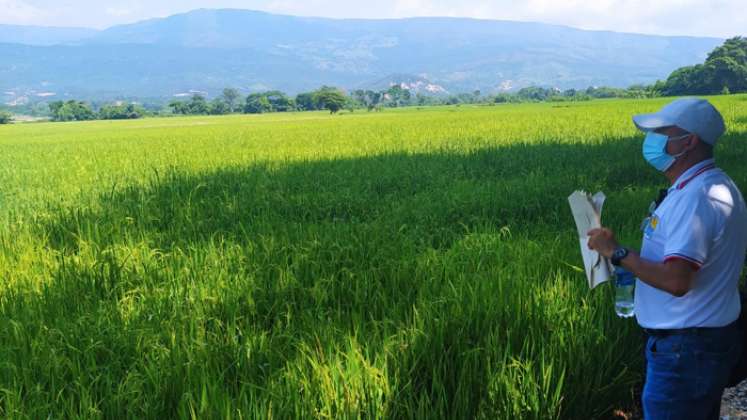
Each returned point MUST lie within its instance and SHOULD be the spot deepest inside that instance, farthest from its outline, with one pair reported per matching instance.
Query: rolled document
(587, 211)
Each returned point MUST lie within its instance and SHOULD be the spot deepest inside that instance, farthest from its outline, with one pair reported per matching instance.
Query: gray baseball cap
(693, 115)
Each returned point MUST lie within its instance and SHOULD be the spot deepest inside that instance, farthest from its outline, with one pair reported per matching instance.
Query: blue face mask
(654, 150)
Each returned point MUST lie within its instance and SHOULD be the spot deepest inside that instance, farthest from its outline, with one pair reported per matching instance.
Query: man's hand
(603, 241)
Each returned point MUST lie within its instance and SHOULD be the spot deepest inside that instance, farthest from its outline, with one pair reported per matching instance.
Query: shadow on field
(306, 254)
(439, 195)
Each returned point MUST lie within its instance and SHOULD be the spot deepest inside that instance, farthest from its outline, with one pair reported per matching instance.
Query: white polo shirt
(702, 220)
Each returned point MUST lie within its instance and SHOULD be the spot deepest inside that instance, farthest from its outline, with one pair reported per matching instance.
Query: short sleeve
(690, 230)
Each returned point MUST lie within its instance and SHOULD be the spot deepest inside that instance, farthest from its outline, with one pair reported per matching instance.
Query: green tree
(725, 72)
(179, 107)
(121, 112)
(279, 101)
(305, 101)
(535, 93)
(605, 92)
(685, 80)
(726, 66)
(198, 105)
(374, 99)
(358, 97)
(71, 110)
(503, 98)
(257, 103)
(366, 98)
(330, 98)
(735, 48)
(5, 117)
(421, 99)
(219, 106)
(54, 108)
(270, 101)
(398, 96)
(231, 98)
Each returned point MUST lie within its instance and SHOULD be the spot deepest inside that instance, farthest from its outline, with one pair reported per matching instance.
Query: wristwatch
(619, 255)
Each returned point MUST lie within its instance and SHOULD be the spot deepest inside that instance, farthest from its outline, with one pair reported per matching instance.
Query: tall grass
(408, 264)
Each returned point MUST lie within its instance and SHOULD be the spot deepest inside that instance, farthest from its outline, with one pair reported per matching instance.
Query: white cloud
(19, 12)
(671, 17)
(118, 12)
(722, 18)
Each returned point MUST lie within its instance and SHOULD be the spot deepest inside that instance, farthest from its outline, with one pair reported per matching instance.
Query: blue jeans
(686, 373)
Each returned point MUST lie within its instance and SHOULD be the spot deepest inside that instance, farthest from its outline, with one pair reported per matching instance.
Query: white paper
(587, 212)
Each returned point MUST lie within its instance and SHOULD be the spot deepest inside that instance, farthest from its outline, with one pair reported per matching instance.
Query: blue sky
(720, 18)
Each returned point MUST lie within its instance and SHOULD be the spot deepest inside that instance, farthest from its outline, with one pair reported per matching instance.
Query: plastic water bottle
(624, 288)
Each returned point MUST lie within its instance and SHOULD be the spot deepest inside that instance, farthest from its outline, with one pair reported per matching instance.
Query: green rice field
(412, 263)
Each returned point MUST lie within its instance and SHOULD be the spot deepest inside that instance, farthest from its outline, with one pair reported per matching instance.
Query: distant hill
(207, 50)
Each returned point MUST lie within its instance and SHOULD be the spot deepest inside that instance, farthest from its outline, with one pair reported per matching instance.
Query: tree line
(74, 110)
(724, 71)
(326, 97)
(230, 101)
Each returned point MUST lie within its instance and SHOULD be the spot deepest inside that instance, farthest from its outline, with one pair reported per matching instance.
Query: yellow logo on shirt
(654, 222)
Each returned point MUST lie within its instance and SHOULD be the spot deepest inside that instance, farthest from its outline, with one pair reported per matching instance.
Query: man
(688, 270)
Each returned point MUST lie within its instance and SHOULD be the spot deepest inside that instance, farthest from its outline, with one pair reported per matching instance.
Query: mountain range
(206, 50)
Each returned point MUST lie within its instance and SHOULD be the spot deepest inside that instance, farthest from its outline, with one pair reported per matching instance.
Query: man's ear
(692, 142)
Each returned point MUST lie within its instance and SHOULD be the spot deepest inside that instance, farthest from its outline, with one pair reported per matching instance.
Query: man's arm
(674, 276)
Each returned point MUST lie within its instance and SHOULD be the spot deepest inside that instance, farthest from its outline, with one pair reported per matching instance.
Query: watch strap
(619, 255)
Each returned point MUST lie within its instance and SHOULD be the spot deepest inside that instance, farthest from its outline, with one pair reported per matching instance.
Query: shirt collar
(692, 172)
